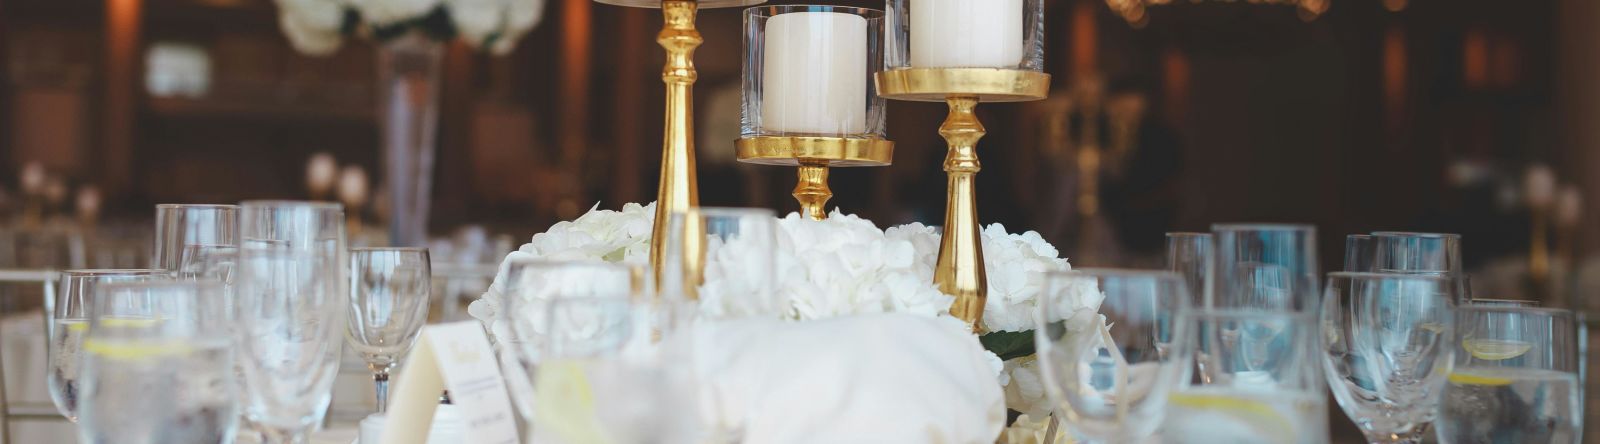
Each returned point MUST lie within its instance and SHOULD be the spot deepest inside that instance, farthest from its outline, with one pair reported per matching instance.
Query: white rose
(389, 12)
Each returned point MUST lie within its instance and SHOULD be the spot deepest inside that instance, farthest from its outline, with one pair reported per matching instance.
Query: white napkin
(883, 379)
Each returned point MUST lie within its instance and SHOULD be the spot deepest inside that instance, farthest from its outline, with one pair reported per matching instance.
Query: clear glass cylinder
(808, 72)
(1006, 34)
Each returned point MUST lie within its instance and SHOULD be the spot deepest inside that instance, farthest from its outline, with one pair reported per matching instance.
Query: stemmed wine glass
(1386, 350)
(522, 330)
(290, 305)
(747, 234)
(158, 366)
(1110, 375)
(388, 305)
(69, 321)
(1516, 377)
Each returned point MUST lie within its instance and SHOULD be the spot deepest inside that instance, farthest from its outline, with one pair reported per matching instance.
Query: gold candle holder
(813, 156)
(679, 188)
(960, 270)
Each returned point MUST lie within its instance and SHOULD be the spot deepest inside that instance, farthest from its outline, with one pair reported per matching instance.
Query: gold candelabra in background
(960, 271)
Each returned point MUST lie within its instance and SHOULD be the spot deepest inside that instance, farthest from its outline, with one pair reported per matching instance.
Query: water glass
(389, 293)
(1386, 355)
(738, 242)
(69, 320)
(158, 366)
(290, 303)
(1516, 377)
(1257, 383)
(597, 382)
(1409, 252)
(1266, 267)
(1191, 255)
(1110, 375)
(1359, 250)
(187, 234)
(523, 329)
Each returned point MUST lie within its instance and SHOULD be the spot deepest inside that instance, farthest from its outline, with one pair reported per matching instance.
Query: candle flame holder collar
(809, 101)
(964, 52)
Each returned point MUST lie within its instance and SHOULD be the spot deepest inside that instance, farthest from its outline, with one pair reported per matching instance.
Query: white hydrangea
(495, 23)
(389, 12)
(312, 26)
(842, 266)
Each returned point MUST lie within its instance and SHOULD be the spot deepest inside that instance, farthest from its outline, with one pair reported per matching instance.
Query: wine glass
(158, 366)
(1516, 377)
(187, 234)
(69, 321)
(290, 305)
(1257, 382)
(1191, 256)
(1110, 375)
(601, 379)
(738, 242)
(1359, 250)
(1386, 355)
(389, 291)
(522, 329)
(1421, 253)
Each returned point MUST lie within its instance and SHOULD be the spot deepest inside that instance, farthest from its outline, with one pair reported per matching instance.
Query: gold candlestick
(813, 156)
(960, 270)
(679, 188)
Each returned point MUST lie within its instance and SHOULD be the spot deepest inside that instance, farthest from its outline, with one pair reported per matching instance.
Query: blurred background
(1461, 116)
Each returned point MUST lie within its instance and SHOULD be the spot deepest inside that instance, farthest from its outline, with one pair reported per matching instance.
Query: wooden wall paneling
(120, 94)
(632, 74)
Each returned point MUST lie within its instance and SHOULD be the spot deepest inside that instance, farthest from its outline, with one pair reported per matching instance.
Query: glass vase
(408, 103)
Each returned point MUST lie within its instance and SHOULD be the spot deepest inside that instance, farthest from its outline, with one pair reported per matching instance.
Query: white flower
(312, 25)
(389, 12)
(1016, 265)
(612, 236)
(495, 25)
(1025, 391)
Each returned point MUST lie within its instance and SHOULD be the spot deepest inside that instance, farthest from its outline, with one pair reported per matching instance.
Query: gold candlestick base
(814, 155)
(960, 270)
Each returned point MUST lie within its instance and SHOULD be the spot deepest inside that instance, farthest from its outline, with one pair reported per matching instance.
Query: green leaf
(1008, 344)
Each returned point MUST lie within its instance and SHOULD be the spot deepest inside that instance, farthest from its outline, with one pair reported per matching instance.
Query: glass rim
(91, 272)
(1262, 226)
(291, 204)
(1516, 302)
(388, 249)
(1420, 276)
(170, 283)
(1416, 234)
(1236, 313)
(1520, 309)
(864, 12)
(172, 206)
(1189, 234)
(1358, 236)
(1116, 272)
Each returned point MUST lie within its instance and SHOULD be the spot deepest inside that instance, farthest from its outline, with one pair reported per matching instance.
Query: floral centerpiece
(846, 265)
(318, 27)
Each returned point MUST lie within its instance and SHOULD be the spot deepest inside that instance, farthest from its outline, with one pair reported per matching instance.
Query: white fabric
(883, 379)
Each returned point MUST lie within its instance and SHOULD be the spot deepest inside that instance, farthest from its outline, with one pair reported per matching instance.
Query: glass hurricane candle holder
(963, 52)
(809, 98)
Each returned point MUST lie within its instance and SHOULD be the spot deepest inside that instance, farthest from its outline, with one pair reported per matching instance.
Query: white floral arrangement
(843, 266)
(318, 27)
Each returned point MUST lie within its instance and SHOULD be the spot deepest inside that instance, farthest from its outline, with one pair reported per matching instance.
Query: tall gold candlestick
(960, 271)
(679, 190)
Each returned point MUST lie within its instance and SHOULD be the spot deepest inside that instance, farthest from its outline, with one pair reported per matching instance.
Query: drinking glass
(69, 321)
(1110, 375)
(290, 305)
(188, 234)
(1385, 351)
(600, 380)
(1516, 377)
(1266, 267)
(158, 366)
(1191, 256)
(1359, 250)
(1257, 384)
(738, 242)
(1409, 252)
(389, 292)
(532, 284)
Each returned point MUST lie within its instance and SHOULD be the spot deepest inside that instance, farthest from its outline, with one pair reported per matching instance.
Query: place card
(455, 357)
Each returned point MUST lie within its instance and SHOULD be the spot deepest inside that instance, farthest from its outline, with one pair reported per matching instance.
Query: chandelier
(1134, 11)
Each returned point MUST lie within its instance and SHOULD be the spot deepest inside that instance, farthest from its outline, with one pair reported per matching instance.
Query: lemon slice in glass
(564, 402)
(1260, 418)
(1461, 378)
(1495, 349)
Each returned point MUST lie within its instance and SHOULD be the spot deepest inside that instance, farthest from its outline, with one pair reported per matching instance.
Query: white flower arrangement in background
(843, 266)
(318, 27)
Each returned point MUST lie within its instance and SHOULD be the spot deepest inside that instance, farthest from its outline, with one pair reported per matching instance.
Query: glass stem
(273, 435)
(381, 379)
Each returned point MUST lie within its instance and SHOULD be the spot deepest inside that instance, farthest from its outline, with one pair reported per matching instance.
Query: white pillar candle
(814, 74)
(966, 33)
